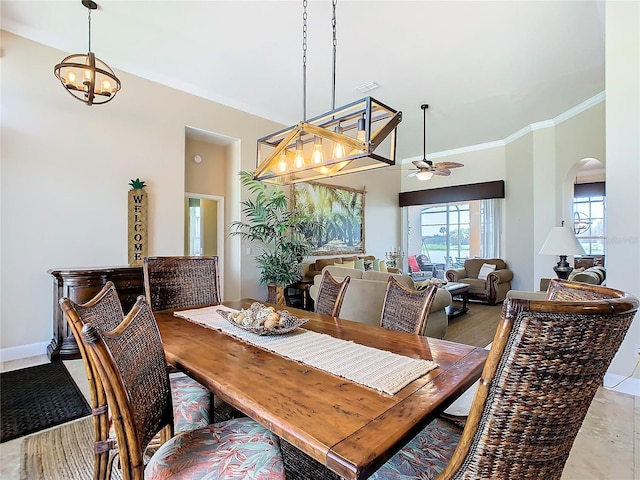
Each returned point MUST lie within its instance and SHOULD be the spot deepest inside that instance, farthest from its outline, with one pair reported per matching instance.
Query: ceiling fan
(426, 168)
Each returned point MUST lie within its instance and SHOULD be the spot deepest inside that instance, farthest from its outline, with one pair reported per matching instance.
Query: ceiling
(486, 69)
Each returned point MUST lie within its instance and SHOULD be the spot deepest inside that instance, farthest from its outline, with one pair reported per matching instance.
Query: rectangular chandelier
(356, 137)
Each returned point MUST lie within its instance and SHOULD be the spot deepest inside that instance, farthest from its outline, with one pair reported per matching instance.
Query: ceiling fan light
(424, 175)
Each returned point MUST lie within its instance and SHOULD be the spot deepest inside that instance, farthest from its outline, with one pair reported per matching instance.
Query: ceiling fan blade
(413, 174)
(448, 165)
(443, 172)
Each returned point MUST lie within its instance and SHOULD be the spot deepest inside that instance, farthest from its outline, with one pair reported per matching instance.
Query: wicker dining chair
(177, 282)
(190, 399)
(331, 294)
(546, 362)
(141, 406)
(406, 310)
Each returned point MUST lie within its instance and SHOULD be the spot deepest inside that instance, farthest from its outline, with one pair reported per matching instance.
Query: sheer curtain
(491, 211)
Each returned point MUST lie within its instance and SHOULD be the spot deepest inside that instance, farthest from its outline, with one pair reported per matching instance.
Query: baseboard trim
(628, 385)
(23, 351)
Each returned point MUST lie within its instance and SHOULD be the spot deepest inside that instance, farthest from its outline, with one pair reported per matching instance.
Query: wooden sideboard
(81, 285)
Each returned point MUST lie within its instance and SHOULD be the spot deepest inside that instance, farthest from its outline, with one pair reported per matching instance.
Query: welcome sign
(137, 231)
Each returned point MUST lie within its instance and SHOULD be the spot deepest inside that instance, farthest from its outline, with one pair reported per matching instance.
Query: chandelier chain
(304, 59)
(335, 43)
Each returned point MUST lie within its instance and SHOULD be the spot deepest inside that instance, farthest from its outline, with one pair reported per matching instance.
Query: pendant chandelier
(353, 138)
(86, 77)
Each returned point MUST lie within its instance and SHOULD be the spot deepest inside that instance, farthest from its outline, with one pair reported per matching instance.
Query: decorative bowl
(255, 320)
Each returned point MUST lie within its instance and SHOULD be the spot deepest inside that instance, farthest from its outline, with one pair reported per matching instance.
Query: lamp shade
(561, 241)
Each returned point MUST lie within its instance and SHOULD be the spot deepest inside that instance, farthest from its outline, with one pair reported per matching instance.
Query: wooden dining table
(349, 428)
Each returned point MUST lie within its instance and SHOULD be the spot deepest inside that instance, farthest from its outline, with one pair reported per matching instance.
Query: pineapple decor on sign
(137, 234)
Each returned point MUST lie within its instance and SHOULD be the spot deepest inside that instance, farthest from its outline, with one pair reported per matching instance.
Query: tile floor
(607, 447)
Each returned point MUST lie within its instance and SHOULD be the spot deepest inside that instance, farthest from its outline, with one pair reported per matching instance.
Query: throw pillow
(574, 272)
(347, 264)
(323, 262)
(368, 265)
(359, 264)
(376, 265)
(383, 266)
(485, 270)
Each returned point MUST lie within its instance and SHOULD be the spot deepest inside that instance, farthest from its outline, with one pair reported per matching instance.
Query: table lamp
(562, 241)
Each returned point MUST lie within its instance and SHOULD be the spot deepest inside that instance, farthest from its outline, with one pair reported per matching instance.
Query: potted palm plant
(279, 234)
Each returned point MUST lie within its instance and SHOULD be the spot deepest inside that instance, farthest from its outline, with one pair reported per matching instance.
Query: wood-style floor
(476, 327)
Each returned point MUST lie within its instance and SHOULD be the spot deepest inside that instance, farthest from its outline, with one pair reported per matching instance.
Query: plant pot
(275, 294)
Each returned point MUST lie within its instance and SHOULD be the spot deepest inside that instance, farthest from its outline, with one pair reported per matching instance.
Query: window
(589, 222)
(449, 233)
(445, 232)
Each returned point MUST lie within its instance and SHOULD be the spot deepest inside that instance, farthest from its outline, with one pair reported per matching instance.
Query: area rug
(65, 453)
(36, 398)
(61, 453)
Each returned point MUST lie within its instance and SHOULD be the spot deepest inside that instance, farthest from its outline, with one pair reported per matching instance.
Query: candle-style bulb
(282, 164)
(298, 161)
(338, 148)
(317, 155)
(71, 78)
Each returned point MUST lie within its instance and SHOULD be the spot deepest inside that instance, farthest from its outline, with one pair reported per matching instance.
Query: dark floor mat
(39, 397)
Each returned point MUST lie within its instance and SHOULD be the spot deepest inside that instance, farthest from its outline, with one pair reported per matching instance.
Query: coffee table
(457, 289)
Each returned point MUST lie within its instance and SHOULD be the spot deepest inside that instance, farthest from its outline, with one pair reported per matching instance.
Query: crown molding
(554, 122)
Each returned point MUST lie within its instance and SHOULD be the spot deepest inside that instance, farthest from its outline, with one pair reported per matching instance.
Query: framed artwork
(339, 210)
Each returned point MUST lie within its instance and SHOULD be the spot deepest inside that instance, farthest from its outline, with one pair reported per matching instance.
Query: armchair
(491, 290)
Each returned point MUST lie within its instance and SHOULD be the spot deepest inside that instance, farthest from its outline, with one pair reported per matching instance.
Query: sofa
(492, 289)
(365, 295)
(310, 270)
(595, 275)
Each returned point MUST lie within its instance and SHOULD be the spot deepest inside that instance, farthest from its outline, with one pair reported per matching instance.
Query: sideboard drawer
(128, 284)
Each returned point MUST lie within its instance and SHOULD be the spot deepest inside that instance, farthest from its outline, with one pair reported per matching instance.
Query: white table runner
(384, 371)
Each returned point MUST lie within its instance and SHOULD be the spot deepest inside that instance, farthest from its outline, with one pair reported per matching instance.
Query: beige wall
(480, 165)
(65, 169)
(623, 165)
(210, 176)
(539, 169)
(65, 174)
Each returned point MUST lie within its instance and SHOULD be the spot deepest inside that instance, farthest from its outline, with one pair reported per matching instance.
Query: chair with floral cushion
(191, 401)
(177, 282)
(331, 294)
(546, 362)
(406, 310)
(142, 407)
